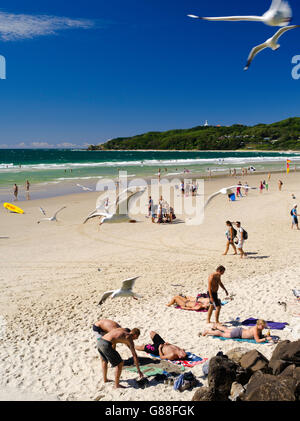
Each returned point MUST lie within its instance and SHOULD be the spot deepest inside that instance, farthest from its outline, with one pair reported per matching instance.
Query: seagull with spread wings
(124, 201)
(52, 218)
(269, 43)
(226, 190)
(124, 291)
(279, 14)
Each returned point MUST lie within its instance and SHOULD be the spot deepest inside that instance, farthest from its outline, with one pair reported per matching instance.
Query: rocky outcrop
(249, 376)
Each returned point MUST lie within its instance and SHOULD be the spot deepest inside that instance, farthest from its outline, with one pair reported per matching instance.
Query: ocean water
(52, 167)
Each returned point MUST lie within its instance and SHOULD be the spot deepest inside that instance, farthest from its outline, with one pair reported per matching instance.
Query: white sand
(50, 287)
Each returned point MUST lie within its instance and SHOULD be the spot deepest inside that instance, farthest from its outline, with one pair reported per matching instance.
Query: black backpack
(245, 235)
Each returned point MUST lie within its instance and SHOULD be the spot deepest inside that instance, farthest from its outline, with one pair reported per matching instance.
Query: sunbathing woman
(190, 303)
(254, 332)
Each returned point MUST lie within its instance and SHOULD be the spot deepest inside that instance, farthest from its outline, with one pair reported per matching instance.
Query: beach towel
(272, 325)
(252, 341)
(202, 310)
(190, 362)
(153, 369)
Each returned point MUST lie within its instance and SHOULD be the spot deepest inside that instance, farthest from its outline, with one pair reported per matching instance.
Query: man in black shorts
(162, 349)
(106, 347)
(214, 282)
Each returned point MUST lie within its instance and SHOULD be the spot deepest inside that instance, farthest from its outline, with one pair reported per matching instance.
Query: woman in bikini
(254, 332)
(190, 303)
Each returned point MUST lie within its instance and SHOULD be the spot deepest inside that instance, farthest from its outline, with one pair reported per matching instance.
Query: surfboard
(13, 208)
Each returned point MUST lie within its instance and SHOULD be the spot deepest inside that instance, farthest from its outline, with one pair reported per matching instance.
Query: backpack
(245, 235)
(234, 232)
(292, 214)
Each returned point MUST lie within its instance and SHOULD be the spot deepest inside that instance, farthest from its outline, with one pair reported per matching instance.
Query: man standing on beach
(214, 281)
(294, 215)
(16, 191)
(107, 352)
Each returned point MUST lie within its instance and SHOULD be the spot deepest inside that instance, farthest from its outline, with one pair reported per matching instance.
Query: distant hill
(283, 135)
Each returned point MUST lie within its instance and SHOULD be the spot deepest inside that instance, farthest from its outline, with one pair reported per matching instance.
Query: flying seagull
(83, 187)
(226, 190)
(270, 43)
(53, 218)
(279, 14)
(125, 200)
(124, 291)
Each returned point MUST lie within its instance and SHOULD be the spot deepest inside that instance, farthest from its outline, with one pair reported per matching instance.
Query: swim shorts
(98, 332)
(107, 353)
(154, 348)
(236, 333)
(216, 301)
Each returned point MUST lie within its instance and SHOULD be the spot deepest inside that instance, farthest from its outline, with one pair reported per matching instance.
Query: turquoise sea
(60, 171)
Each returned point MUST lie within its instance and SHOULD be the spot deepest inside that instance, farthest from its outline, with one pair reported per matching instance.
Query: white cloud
(19, 26)
(66, 145)
(41, 145)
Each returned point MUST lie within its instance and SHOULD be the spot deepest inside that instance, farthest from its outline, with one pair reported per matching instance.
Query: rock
(266, 387)
(254, 361)
(203, 394)
(221, 375)
(236, 391)
(236, 354)
(243, 375)
(293, 372)
(285, 354)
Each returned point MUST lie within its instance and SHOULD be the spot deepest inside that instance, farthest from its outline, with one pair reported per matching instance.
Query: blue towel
(252, 341)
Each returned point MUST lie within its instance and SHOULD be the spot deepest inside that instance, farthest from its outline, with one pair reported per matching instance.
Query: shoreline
(69, 188)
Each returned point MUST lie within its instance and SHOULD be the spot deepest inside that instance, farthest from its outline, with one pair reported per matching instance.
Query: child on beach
(214, 282)
(254, 332)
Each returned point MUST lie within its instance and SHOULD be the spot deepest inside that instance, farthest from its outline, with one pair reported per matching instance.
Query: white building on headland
(206, 123)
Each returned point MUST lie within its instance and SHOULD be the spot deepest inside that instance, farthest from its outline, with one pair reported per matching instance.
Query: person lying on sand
(254, 332)
(106, 347)
(162, 349)
(190, 303)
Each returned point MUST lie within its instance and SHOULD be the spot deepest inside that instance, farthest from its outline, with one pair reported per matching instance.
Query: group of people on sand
(162, 213)
(16, 190)
(109, 333)
(235, 238)
(213, 303)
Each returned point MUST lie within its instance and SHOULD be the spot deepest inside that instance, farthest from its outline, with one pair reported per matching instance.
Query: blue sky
(92, 70)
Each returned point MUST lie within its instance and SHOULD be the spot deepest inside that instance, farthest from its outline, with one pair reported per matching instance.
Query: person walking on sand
(280, 184)
(246, 189)
(254, 332)
(105, 346)
(16, 191)
(230, 234)
(214, 282)
(158, 175)
(241, 239)
(261, 187)
(294, 215)
(238, 190)
(150, 206)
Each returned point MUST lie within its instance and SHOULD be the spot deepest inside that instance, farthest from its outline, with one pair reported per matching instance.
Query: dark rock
(221, 375)
(293, 372)
(203, 394)
(255, 361)
(285, 354)
(266, 387)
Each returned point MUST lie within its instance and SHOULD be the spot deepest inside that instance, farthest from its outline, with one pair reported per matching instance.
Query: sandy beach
(50, 286)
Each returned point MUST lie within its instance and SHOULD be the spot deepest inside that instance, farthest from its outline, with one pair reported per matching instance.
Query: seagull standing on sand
(279, 14)
(226, 190)
(53, 218)
(270, 43)
(124, 291)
